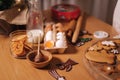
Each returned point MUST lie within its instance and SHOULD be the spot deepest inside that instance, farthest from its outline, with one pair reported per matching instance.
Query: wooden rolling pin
(77, 29)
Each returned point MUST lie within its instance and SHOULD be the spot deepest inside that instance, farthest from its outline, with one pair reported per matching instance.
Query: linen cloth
(116, 18)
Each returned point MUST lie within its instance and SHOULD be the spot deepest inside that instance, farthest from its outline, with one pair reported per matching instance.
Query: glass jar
(65, 10)
(35, 21)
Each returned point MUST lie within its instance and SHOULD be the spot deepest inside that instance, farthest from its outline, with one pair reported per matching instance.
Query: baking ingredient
(33, 35)
(19, 47)
(49, 36)
(67, 65)
(61, 40)
(49, 44)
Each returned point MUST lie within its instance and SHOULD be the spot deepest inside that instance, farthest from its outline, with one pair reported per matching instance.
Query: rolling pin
(77, 29)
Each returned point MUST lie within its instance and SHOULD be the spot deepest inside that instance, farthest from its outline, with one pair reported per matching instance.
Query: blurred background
(102, 9)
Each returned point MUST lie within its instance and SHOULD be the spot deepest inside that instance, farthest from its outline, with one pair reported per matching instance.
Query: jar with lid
(65, 10)
(34, 21)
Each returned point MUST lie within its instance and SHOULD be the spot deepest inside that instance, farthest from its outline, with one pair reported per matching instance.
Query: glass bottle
(35, 21)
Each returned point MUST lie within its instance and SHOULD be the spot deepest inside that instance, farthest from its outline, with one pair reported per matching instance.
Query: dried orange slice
(19, 38)
(49, 44)
(17, 48)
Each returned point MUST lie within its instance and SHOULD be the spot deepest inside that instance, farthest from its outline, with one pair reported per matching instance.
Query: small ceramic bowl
(47, 56)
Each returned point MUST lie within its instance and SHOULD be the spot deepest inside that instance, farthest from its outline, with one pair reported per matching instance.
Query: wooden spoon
(39, 57)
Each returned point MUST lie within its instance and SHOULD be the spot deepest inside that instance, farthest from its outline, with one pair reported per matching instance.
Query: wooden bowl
(31, 55)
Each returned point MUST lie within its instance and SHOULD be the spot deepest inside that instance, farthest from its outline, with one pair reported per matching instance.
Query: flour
(34, 34)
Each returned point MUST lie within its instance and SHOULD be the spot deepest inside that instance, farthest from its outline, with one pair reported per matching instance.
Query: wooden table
(19, 69)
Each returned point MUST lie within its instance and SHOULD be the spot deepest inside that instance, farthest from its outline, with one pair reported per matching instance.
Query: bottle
(35, 21)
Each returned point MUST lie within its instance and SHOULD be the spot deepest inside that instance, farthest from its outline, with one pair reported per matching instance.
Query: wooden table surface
(19, 69)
